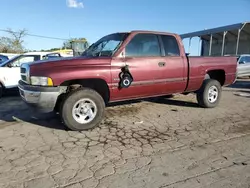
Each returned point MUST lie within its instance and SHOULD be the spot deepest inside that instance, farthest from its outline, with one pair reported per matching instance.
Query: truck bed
(200, 66)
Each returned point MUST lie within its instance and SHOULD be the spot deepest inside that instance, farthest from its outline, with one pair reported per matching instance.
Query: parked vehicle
(243, 68)
(3, 58)
(118, 67)
(10, 69)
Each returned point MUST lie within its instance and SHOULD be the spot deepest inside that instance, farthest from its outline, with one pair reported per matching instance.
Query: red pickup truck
(118, 67)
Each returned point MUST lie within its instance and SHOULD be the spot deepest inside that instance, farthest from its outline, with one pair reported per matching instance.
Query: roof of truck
(153, 32)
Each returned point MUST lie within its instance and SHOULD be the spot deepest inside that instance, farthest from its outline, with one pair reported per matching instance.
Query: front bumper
(42, 99)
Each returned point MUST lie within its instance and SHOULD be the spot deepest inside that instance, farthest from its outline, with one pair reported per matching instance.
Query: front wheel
(208, 96)
(82, 109)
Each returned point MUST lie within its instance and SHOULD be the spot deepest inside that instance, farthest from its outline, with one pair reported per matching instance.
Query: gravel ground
(151, 143)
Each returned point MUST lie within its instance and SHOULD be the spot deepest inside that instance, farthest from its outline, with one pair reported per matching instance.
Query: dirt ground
(152, 143)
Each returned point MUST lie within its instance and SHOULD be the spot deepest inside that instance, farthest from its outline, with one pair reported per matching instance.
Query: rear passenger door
(175, 70)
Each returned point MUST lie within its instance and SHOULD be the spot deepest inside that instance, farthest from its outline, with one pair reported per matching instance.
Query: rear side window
(143, 45)
(24, 59)
(170, 45)
(246, 59)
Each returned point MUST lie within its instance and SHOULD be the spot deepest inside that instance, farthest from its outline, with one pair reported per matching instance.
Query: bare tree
(5, 44)
(13, 43)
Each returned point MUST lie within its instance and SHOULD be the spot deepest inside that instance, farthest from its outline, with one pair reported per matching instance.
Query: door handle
(161, 64)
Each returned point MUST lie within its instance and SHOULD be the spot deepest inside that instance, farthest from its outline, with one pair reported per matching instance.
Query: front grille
(24, 78)
(25, 69)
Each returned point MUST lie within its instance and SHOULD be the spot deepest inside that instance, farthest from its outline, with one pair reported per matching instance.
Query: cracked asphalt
(153, 143)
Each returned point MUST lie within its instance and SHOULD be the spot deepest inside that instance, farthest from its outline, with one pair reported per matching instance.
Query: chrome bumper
(43, 99)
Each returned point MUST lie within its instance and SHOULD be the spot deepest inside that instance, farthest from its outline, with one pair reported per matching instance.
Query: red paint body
(177, 76)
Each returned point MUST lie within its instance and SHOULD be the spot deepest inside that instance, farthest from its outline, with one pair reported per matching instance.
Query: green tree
(68, 44)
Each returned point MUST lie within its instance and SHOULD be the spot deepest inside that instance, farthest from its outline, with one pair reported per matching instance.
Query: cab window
(170, 45)
(143, 45)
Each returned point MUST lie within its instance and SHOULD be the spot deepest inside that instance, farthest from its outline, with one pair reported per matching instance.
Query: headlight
(41, 81)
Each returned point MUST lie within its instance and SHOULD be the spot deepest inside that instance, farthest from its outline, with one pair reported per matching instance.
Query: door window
(171, 46)
(143, 45)
(245, 59)
(24, 59)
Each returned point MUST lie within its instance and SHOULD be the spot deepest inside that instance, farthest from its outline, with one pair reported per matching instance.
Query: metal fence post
(223, 43)
(238, 38)
(199, 46)
(189, 45)
(210, 46)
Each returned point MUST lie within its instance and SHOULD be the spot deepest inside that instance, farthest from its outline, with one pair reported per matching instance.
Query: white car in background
(10, 69)
(243, 68)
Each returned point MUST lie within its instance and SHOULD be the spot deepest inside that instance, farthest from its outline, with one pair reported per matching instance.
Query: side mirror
(242, 62)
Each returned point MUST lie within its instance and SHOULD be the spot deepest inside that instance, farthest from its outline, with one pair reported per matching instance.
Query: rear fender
(216, 74)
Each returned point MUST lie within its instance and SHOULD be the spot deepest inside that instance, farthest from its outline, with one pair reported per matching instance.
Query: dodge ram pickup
(122, 66)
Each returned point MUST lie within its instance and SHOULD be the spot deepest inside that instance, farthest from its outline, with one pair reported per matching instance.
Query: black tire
(203, 93)
(70, 101)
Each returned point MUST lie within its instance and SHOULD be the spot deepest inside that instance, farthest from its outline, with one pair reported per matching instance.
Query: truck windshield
(106, 46)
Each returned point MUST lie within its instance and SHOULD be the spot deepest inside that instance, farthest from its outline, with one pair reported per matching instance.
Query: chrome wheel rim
(212, 94)
(84, 111)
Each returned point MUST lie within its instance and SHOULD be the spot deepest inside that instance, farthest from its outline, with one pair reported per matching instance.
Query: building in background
(227, 40)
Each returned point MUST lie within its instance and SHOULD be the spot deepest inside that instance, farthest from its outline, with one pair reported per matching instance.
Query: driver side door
(144, 58)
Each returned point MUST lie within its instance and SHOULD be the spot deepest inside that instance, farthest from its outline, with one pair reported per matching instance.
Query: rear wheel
(82, 109)
(208, 96)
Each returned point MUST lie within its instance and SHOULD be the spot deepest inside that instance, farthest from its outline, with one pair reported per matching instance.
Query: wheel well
(218, 75)
(98, 85)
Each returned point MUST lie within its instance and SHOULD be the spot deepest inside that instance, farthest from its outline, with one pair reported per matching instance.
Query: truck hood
(61, 70)
(70, 62)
